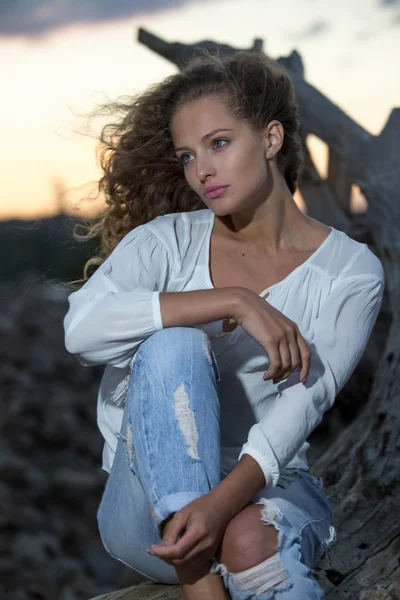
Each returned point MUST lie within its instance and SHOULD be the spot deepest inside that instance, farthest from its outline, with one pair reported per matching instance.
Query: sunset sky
(58, 61)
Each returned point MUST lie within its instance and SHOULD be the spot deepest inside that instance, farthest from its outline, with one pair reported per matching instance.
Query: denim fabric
(168, 454)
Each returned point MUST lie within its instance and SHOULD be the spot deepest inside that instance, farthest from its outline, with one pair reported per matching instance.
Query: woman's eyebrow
(205, 137)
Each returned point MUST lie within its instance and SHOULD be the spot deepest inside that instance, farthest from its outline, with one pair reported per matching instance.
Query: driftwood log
(144, 591)
(361, 468)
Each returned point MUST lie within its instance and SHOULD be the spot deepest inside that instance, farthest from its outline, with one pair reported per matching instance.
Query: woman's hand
(194, 533)
(278, 335)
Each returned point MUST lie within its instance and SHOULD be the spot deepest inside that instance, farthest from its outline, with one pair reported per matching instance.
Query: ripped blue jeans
(168, 454)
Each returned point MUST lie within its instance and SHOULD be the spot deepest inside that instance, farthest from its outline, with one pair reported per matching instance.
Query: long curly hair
(144, 179)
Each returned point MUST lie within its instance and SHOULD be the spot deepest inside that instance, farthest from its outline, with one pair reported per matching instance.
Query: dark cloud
(312, 30)
(37, 17)
(395, 14)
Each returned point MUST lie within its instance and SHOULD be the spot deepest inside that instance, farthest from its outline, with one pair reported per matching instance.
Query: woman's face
(216, 149)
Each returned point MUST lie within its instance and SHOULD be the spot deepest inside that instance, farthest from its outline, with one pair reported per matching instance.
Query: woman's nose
(205, 168)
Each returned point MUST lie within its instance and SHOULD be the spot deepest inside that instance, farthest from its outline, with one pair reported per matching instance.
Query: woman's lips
(216, 192)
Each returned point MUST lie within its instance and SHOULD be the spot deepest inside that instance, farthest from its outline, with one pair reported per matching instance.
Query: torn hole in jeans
(186, 420)
(270, 575)
(129, 446)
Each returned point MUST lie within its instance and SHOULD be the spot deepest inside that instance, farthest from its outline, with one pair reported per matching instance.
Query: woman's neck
(271, 226)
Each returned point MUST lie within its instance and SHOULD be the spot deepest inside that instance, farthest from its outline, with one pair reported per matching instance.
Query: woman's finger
(174, 527)
(305, 356)
(177, 550)
(197, 557)
(286, 358)
(275, 364)
(294, 351)
(295, 358)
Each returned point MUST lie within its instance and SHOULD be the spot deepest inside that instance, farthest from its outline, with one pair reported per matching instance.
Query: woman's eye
(185, 158)
(218, 144)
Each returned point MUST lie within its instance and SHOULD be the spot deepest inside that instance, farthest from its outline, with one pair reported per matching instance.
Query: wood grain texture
(145, 591)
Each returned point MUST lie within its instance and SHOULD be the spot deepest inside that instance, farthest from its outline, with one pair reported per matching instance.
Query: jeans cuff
(172, 503)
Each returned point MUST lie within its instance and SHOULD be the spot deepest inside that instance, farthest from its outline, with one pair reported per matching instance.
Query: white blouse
(334, 297)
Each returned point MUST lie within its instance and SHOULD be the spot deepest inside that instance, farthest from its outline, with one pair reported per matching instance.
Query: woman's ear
(273, 136)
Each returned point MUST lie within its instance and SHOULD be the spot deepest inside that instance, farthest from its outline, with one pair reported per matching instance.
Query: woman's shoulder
(179, 231)
(349, 258)
(169, 230)
(170, 221)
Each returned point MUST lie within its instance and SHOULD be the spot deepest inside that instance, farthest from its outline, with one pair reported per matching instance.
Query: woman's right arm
(278, 335)
(188, 309)
(122, 303)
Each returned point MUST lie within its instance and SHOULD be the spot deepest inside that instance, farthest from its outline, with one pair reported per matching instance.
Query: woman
(228, 321)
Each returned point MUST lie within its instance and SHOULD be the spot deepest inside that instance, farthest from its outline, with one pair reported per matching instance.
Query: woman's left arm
(337, 342)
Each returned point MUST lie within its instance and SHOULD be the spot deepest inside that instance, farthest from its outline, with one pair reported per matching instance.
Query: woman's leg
(169, 450)
(126, 526)
(296, 518)
(173, 419)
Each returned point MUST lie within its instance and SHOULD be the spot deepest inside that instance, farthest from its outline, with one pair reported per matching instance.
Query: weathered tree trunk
(361, 470)
(363, 466)
(319, 198)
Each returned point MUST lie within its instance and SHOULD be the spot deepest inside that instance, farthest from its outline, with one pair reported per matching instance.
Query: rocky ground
(50, 452)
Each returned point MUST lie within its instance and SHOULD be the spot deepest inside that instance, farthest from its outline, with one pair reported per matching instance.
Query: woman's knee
(173, 346)
(174, 340)
(169, 335)
(253, 558)
(247, 541)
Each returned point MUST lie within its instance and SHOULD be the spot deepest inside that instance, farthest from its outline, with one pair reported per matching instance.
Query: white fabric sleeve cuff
(268, 464)
(155, 301)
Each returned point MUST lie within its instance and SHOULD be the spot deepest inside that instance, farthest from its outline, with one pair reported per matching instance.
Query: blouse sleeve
(119, 306)
(338, 341)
